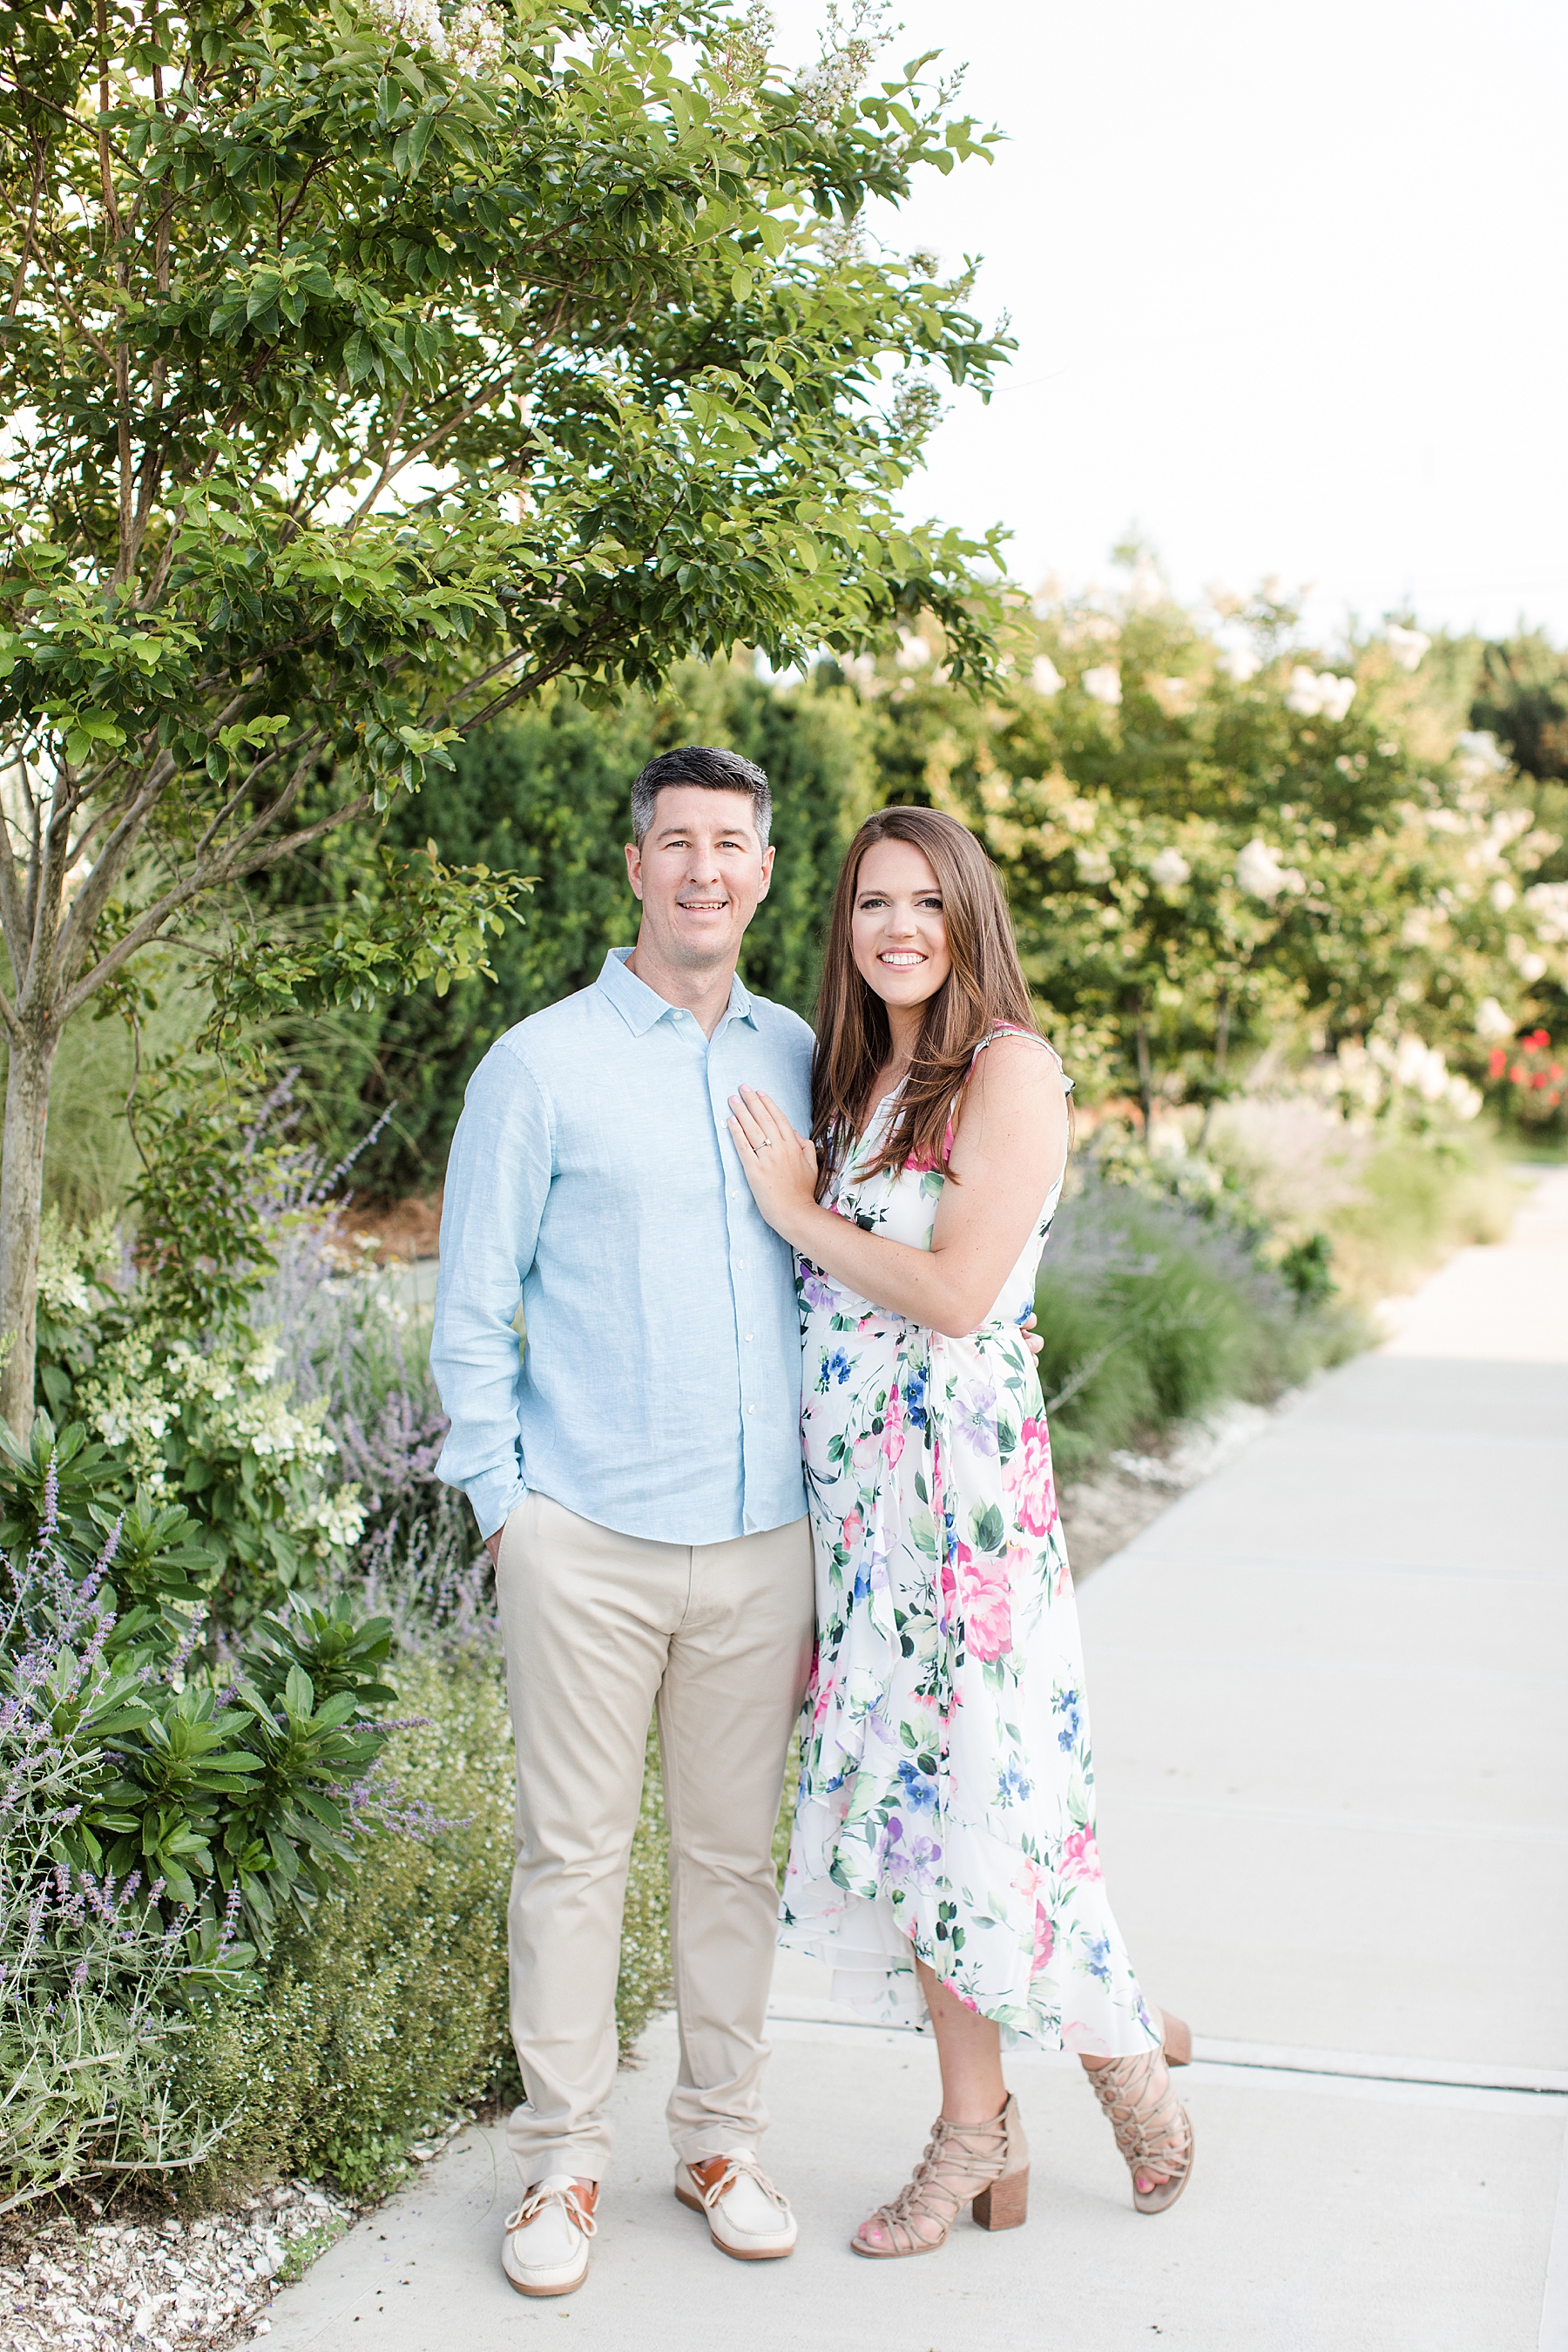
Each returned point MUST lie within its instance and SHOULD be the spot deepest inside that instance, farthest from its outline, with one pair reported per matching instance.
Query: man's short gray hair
(714, 770)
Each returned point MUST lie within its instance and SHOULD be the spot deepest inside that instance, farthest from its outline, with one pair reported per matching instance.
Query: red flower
(1498, 1063)
(1517, 1075)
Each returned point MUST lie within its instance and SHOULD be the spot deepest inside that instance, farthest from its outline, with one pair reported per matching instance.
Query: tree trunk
(1145, 1079)
(32, 1056)
(1221, 1041)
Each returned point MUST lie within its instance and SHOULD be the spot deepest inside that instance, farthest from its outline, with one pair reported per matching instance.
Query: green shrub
(1154, 1309)
(1420, 1198)
(389, 2012)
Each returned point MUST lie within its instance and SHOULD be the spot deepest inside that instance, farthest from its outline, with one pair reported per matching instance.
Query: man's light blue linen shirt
(593, 1177)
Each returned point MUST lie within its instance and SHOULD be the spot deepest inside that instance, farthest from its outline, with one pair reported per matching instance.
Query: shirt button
(750, 1408)
(741, 1262)
(748, 1335)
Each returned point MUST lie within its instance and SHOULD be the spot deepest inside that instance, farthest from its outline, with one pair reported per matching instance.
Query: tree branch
(193, 887)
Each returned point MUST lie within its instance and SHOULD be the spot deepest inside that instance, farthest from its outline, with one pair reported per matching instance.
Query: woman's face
(898, 937)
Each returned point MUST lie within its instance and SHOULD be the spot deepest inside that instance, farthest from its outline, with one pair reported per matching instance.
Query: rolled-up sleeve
(497, 1180)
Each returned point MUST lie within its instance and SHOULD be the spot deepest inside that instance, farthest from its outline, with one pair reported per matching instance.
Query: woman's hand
(779, 1165)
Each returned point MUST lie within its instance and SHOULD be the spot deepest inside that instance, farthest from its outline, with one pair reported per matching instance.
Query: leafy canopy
(370, 368)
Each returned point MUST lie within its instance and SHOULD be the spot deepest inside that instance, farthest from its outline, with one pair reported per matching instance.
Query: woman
(943, 1859)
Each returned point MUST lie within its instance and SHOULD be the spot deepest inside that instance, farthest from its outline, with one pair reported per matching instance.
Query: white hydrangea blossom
(1492, 1023)
(1463, 1099)
(1408, 646)
(1314, 694)
(1502, 894)
(1094, 866)
(69, 1263)
(336, 1521)
(1104, 684)
(1170, 869)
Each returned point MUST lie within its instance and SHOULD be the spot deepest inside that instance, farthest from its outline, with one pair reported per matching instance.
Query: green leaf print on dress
(946, 1803)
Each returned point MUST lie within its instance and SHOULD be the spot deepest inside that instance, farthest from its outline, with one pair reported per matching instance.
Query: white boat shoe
(747, 2218)
(545, 2250)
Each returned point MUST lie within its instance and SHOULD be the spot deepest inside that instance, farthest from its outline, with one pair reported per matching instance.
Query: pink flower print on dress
(1035, 1494)
(853, 1528)
(987, 1597)
(893, 1428)
(1080, 1856)
(1044, 1940)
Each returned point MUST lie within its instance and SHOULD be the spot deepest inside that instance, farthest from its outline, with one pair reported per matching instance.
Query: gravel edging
(160, 2286)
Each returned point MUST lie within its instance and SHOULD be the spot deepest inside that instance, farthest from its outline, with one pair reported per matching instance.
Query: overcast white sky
(1289, 290)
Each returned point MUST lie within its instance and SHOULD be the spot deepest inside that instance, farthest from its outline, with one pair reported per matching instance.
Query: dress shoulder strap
(1009, 1029)
(1003, 1029)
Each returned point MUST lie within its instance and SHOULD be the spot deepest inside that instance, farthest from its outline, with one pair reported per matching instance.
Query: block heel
(1004, 2205)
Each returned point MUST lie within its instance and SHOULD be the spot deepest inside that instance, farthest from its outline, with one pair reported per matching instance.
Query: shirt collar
(640, 1006)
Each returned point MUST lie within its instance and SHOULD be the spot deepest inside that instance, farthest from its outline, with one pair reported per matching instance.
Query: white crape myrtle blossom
(1548, 902)
(473, 41)
(1407, 645)
(1240, 664)
(1478, 757)
(1313, 695)
(1170, 869)
(1259, 873)
(1492, 1023)
(1104, 684)
(1094, 864)
(1044, 676)
(1420, 1068)
(1356, 1074)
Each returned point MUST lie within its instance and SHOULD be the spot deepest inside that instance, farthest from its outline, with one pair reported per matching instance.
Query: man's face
(701, 873)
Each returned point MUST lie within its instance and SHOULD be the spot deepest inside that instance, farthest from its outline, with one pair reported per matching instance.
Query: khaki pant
(598, 1627)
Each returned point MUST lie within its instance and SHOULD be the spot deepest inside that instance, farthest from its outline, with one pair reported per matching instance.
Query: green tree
(370, 368)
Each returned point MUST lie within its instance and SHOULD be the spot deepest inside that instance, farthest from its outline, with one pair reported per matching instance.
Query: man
(637, 1480)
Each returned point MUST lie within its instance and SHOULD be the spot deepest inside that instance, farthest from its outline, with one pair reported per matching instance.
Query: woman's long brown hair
(985, 988)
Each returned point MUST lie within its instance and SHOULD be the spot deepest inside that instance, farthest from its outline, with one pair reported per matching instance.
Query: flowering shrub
(219, 1430)
(88, 1966)
(1529, 1081)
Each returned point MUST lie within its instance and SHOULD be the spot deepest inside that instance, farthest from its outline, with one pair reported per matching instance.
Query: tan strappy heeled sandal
(983, 2166)
(1153, 2130)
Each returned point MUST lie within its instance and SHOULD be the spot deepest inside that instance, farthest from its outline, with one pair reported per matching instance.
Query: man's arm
(497, 1179)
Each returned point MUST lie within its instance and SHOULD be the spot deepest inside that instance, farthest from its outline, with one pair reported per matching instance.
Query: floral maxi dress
(946, 1802)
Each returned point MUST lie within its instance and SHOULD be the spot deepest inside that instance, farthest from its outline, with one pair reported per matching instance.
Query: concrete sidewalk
(1333, 1746)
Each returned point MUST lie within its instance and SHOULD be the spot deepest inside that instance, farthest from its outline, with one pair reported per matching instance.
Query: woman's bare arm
(1009, 1147)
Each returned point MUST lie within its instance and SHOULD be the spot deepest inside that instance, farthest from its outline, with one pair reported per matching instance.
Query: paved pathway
(1333, 1742)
